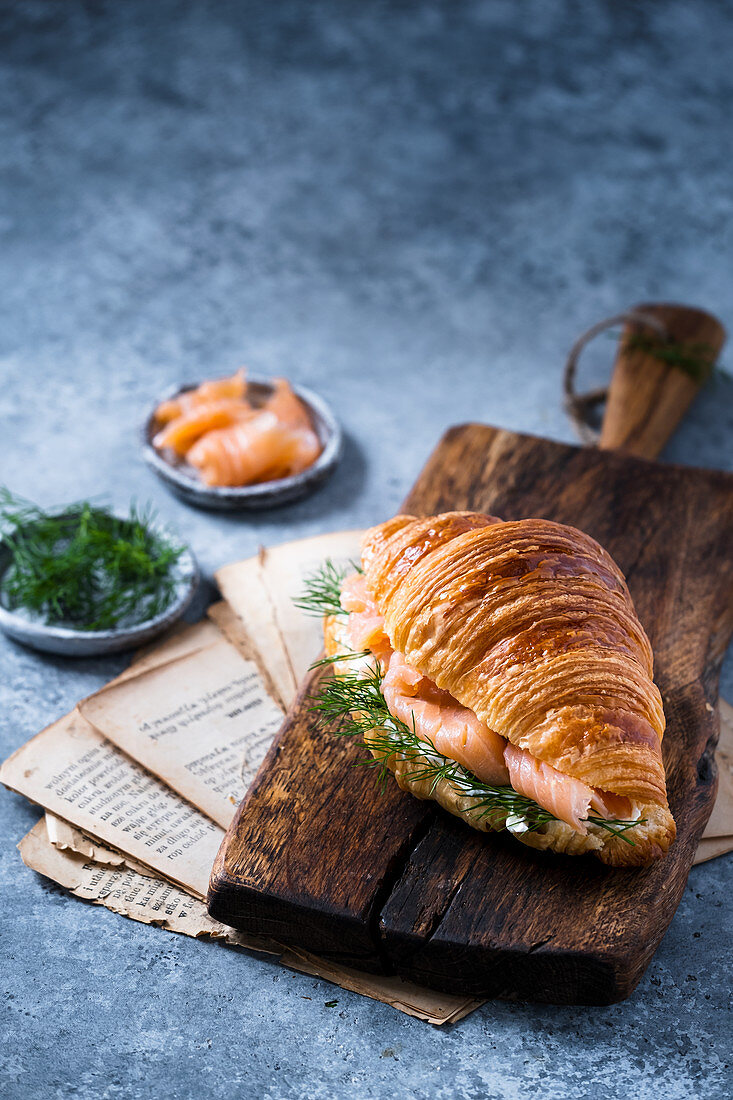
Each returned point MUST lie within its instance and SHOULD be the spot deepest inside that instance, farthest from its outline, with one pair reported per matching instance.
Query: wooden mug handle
(666, 352)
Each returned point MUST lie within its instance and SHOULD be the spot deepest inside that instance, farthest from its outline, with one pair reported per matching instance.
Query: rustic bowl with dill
(85, 580)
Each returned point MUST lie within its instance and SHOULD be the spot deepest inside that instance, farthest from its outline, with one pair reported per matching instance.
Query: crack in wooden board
(317, 859)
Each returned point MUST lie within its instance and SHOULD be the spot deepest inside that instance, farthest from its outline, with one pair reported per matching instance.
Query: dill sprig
(83, 566)
(322, 590)
(355, 701)
(336, 658)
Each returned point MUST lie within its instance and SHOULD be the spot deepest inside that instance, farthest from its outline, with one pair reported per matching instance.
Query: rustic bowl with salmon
(499, 668)
(240, 443)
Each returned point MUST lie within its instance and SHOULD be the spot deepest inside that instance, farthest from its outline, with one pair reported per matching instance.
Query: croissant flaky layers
(528, 625)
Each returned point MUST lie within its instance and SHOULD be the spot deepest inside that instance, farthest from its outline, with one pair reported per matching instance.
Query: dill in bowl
(85, 566)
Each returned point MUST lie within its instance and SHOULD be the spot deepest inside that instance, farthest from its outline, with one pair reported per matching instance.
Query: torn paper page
(243, 587)
(65, 837)
(128, 892)
(262, 591)
(285, 570)
(720, 822)
(74, 772)
(202, 723)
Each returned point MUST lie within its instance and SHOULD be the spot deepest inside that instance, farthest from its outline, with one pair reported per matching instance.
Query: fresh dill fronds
(355, 702)
(84, 567)
(322, 590)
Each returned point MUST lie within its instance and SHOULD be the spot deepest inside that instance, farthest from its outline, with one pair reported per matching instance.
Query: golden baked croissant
(509, 654)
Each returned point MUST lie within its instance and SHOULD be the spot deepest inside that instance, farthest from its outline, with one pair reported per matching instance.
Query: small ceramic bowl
(183, 480)
(69, 642)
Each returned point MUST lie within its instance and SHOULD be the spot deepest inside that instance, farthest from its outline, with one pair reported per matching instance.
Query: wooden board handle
(665, 354)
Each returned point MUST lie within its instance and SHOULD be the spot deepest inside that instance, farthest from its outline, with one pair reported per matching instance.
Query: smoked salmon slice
(435, 715)
(286, 406)
(217, 389)
(260, 449)
(365, 626)
(566, 798)
(437, 718)
(182, 432)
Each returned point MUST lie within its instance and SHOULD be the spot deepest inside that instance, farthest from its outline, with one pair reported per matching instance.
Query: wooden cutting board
(316, 858)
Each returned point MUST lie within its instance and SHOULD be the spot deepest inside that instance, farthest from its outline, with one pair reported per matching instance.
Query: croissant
(513, 651)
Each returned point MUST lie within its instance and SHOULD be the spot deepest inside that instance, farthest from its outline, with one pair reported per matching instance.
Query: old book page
(243, 588)
(74, 772)
(183, 638)
(202, 722)
(107, 880)
(721, 819)
(712, 847)
(65, 837)
(285, 569)
(262, 591)
(233, 629)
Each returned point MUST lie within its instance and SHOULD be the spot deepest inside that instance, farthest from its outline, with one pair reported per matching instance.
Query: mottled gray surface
(412, 208)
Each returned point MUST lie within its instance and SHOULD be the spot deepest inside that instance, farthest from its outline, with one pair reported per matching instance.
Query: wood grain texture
(647, 398)
(317, 859)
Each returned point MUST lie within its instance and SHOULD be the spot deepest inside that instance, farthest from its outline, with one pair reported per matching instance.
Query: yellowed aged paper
(74, 772)
(712, 847)
(285, 570)
(202, 723)
(725, 744)
(64, 836)
(233, 629)
(67, 838)
(128, 891)
(243, 587)
(262, 591)
(718, 836)
(720, 822)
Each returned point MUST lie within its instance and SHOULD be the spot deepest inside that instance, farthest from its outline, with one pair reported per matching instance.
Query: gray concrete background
(413, 208)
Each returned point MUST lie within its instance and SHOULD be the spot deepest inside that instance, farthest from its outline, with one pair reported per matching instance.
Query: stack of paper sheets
(141, 781)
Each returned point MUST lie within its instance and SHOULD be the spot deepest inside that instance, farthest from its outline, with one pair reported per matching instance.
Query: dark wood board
(317, 859)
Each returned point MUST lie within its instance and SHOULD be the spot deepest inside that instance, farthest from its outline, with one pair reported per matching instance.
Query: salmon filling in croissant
(513, 650)
(457, 733)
